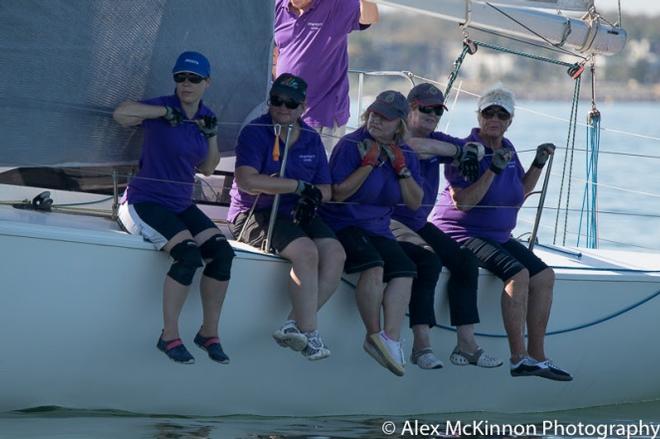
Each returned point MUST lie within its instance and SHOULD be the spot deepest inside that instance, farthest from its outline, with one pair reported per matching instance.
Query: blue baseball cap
(193, 62)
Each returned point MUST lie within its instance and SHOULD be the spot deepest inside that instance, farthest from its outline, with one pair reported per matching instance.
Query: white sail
(582, 35)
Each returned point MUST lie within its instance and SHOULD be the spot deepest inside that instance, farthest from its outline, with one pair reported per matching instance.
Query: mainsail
(65, 65)
(590, 35)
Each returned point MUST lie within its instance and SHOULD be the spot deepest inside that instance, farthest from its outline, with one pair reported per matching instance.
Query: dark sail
(65, 65)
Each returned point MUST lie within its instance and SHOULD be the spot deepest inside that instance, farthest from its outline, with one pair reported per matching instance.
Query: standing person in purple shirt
(482, 214)
(311, 39)
(373, 170)
(300, 236)
(429, 247)
(180, 138)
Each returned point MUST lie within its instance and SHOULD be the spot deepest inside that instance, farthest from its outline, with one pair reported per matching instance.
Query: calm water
(633, 187)
(60, 423)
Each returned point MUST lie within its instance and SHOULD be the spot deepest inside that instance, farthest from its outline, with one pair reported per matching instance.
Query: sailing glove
(173, 115)
(305, 211)
(369, 152)
(543, 153)
(398, 160)
(208, 125)
(309, 191)
(501, 157)
(468, 161)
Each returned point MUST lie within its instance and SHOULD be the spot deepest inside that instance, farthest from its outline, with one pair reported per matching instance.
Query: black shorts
(159, 224)
(505, 260)
(284, 233)
(364, 251)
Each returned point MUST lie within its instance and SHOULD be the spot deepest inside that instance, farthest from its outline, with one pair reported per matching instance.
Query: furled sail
(592, 36)
(564, 5)
(65, 65)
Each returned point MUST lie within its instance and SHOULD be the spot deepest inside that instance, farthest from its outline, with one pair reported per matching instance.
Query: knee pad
(221, 255)
(187, 258)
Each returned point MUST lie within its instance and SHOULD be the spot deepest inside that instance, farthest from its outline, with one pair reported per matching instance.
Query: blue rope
(559, 331)
(572, 328)
(590, 198)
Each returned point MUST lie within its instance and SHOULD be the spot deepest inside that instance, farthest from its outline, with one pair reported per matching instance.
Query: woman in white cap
(180, 139)
(481, 215)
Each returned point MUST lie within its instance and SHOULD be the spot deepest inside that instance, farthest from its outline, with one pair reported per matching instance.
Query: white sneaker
(387, 352)
(315, 348)
(289, 336)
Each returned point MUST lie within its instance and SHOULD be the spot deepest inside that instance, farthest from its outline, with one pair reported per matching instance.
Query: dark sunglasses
(490, 113)
(277, 101)
(191, 77)
(428, 110)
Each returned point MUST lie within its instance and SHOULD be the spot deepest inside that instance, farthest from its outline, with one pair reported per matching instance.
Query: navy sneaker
(525, 367)
(213, 347)
(551, 371)
(175, 350)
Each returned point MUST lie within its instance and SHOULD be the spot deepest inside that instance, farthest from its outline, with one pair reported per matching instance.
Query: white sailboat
(80, 299)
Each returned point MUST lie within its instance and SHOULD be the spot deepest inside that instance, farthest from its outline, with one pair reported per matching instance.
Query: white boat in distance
(80, 301)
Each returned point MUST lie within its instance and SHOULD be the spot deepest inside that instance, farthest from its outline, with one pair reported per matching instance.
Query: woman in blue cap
(180, 139)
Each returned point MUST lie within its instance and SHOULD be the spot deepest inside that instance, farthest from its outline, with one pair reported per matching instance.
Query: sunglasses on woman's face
(490, 113)
(191, 77)
(428, 110)
(277, 101)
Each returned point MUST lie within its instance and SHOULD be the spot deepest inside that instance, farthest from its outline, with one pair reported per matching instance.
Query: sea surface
(629, 218)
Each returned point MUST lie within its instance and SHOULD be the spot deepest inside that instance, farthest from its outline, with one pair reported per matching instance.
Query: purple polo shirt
(306, 161)
(314, 46)
(170, 156)
(371, 207)
(494, 223)
(430, 170)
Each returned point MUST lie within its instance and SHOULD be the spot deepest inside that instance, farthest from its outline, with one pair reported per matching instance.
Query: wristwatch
(405, 173)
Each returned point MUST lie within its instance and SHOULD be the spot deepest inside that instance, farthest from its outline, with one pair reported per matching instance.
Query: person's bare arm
(131, 113)
(212, 158)
(251, 181)
(368, 12)
(427, 148)
(466, 198)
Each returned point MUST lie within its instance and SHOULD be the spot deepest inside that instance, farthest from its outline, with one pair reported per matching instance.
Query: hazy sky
(632, 6)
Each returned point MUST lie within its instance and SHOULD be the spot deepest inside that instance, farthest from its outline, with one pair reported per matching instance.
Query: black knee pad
(221, 255)
(187, 258)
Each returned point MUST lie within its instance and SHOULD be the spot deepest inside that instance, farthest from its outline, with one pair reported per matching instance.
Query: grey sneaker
(289, 336)
(315, 349)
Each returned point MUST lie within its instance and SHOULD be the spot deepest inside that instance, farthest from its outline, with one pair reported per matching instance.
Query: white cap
(497, 95)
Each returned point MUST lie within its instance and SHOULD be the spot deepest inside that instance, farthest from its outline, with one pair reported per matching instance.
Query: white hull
(573, 33)
(80, 312)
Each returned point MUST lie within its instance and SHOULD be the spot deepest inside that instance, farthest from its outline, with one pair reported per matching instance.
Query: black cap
(391, 105)
(291, 86)
(427, 95)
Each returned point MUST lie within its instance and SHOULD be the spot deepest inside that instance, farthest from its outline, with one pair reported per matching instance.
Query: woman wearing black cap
(373, 170)
(180, 138)
(300, 236)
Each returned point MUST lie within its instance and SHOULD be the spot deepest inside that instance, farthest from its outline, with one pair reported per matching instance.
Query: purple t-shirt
(430, 170)
(371, 207)
(494, 223)
(306, 161)
(314, 46)
(170, 156)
